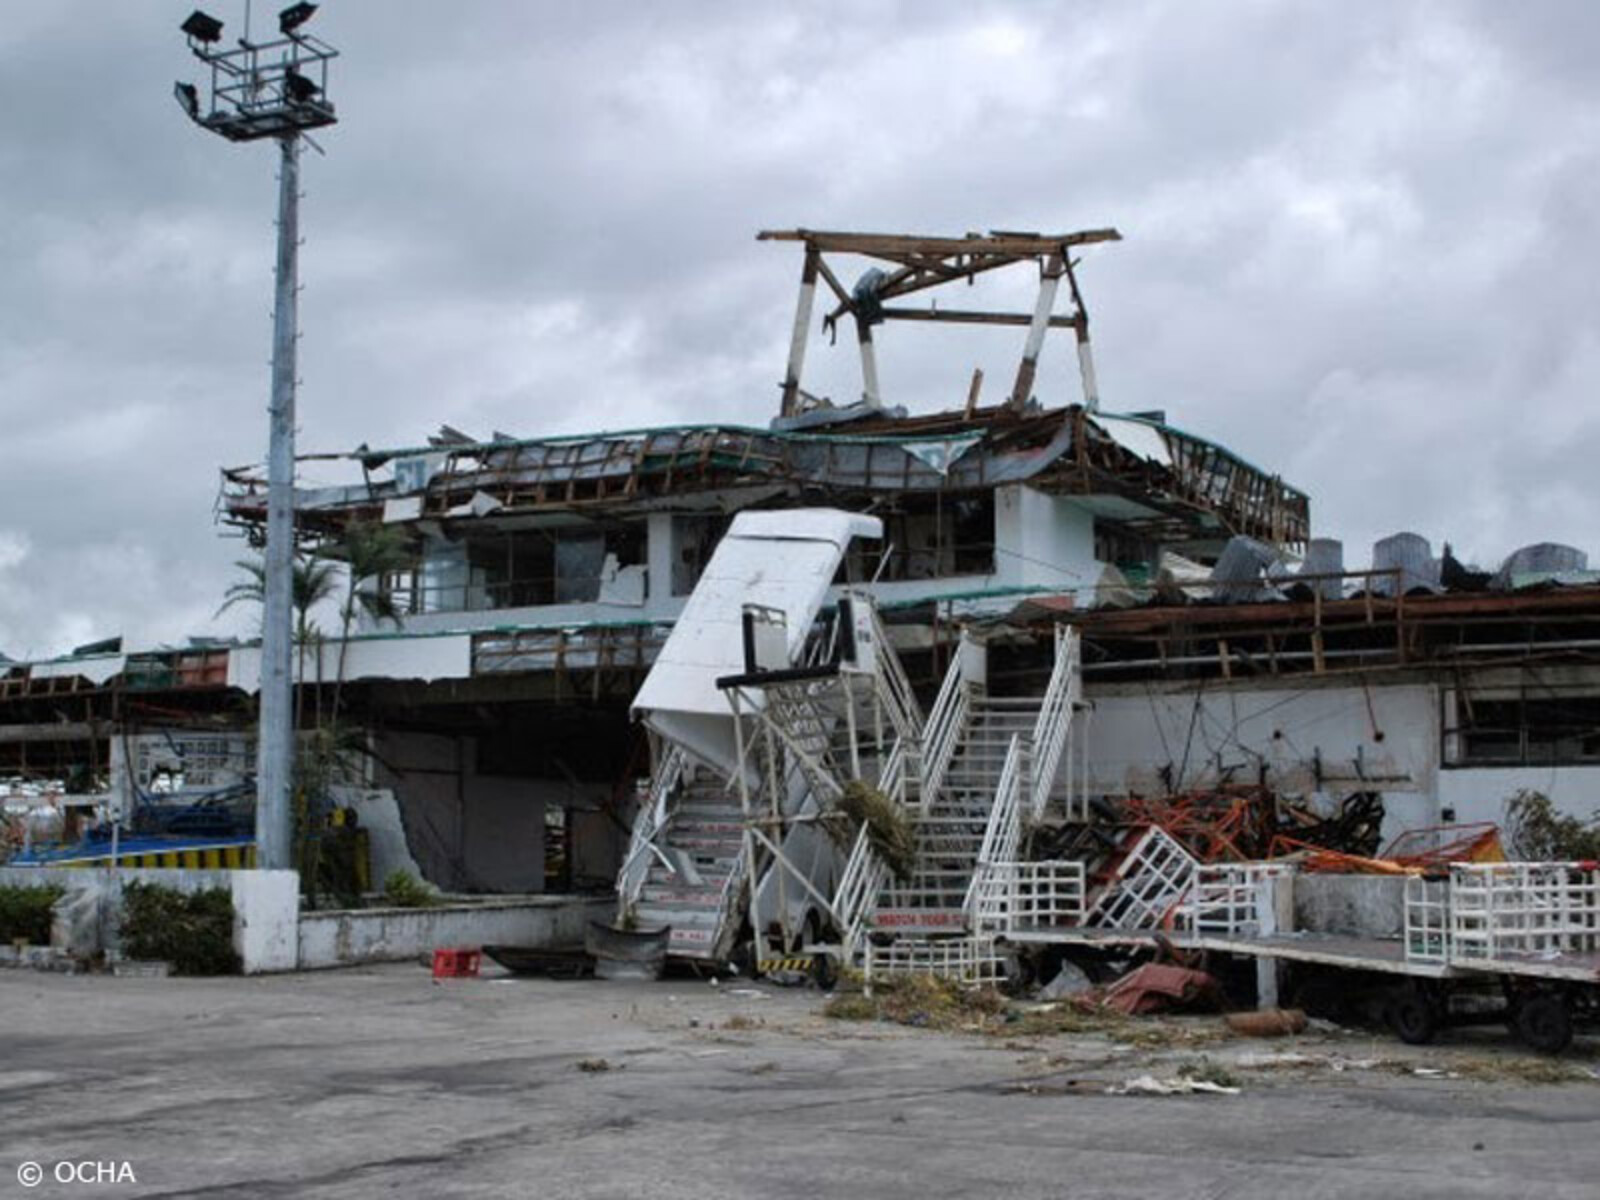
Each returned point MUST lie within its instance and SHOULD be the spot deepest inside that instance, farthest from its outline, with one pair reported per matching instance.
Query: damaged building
(538, 578)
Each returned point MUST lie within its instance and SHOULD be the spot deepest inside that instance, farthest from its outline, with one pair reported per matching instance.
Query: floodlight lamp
(189, 98)
(295, 16)
(298, 88)
(202, 27)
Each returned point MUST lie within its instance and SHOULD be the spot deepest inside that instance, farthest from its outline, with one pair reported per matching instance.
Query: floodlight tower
(273, 89)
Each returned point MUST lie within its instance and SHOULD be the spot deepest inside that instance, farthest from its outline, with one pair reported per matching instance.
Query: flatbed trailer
(1529, 931)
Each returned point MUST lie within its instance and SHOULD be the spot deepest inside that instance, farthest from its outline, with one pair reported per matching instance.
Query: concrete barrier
(1357, 905)
(348, 936)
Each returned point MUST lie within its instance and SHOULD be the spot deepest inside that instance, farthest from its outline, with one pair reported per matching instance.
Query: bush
(25, 913)
(402, 889)
(194, 932)
(1537, 832)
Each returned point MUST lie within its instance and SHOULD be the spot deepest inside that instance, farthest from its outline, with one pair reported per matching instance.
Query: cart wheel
(1544, 1023)
(824, 972)
(1413, 1016)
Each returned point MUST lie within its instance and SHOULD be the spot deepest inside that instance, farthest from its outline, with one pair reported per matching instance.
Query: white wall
(1318, 741)
(1480, 793)
(1231, 732)
(1043, 540)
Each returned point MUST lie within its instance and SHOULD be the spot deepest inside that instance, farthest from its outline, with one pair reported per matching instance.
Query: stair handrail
(1054, 723)
(892, 683)
(647, 824)
(728, 896)
(1002, 835)
(942, 731)
(859, 884)
(892, 779)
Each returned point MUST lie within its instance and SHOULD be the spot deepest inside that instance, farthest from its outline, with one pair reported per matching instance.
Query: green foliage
(315, 580)
(194, 932)
(402, 889)
(371, 550)
(1536, 832)
(25, 913)
(889, 829)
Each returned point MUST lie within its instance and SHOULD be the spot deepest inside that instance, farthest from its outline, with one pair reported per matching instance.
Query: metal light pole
(276, 89)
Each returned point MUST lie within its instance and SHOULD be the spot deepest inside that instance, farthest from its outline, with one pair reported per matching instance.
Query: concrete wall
(1316, 741)
(335, 939)
(1357, 905)
(266, 906)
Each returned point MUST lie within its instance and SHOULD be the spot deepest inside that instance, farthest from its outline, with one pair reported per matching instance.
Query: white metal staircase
(695, 869)
(718, 848)
(992, 764)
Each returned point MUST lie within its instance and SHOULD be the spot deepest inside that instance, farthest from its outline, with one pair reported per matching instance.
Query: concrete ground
(381, 1082)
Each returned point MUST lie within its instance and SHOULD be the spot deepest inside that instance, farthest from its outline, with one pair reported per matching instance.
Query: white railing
(892, 779)
(1028, 897)
(890, 677)
(856, 895)
(1002, 836)
(1054, 724)
(647, 826)
(942, 733)
(1516, 912)
(1232, 898)
(970, 960)
(1427, 920)
(1147, 886)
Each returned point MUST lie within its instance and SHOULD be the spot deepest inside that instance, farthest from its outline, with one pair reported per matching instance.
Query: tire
(1544, 1023)
(1413, 1016)
(824, 972)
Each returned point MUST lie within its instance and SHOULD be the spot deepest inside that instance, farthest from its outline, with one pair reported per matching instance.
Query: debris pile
(1249, 823)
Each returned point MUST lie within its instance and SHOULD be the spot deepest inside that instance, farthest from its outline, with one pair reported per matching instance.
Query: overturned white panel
(96, 669)
(401, 508)
(781, 560)
(1136, 437)
(447, 656)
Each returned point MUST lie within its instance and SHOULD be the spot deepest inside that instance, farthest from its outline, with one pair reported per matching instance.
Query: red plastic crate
(456, 963)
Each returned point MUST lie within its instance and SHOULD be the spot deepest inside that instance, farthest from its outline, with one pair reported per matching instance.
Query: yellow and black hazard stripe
(803, 962)
(212, 858)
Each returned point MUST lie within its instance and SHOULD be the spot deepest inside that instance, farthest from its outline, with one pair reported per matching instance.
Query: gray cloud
(1358, 248)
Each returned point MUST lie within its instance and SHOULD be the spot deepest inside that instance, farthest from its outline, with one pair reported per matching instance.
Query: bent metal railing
(647, 826)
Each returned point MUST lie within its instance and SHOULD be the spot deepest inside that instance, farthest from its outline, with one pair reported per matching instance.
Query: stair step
(689, 904)
(655, 915)
(720, 844)
(704, 827)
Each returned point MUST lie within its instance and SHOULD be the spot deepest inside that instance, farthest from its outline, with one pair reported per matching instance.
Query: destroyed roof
(1134, 470)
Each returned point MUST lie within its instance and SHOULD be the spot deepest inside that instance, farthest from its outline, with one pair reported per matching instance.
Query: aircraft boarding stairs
(805, 732)
(762, 711)
(992, 766)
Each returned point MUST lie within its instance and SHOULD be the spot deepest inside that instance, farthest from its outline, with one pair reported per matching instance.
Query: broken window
(694, 538)
(939, 538)
(570, 565)
(1533, 728)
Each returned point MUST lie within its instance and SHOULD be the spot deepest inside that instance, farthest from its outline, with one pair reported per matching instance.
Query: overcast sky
(1361, 248)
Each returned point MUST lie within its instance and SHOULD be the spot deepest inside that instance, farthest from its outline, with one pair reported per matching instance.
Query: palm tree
(370, 551)
(315, 579)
